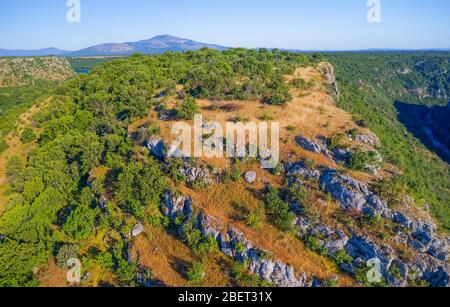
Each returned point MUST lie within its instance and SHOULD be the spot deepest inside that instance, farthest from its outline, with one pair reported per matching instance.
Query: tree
(66, 252)
(80, 222)
(28, 135)
(187, 109)
(140, 185)
(275, 206)
(18, 262)
(196, 273)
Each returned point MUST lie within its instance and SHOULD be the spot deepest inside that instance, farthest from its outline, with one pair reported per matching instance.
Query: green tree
(28, 135)
(188, 108)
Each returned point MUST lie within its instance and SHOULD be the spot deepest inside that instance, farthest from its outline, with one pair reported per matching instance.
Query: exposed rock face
(197, 174)
(363, 249)
(369, 139)
(157, 147)
(331, 239)
(175, 206)
(354, 195)
(301, 170)
(233, 243)
(328, 73)
(137, 230)
(310, 145)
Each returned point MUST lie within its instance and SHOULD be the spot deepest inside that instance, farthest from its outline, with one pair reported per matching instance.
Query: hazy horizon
(286, 24)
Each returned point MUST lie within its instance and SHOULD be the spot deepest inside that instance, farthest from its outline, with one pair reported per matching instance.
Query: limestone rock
(250, 177)
(137, 230)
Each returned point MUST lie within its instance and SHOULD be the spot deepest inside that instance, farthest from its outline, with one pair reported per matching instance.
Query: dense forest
(371, 83)
(16, 100)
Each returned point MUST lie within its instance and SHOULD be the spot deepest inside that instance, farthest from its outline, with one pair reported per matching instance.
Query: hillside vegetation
(100, 186)
(26, 71)
(371, 83)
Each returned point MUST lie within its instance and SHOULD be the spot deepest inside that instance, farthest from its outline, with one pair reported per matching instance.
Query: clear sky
(294, 24)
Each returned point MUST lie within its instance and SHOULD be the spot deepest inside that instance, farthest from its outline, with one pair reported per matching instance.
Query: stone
(327, 71)
(363, 248)
(368, 139)
(354, 195)
(174, 206)
(309, 145)
(423, 231)
(439, 249)
(157, 147)
(137, 230)
(340, 155)
(402, 219)
(250, 177)
(300, 170)
(197, 174)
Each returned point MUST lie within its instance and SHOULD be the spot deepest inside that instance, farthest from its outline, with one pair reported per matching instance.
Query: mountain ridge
(155, 45)
(167, 42)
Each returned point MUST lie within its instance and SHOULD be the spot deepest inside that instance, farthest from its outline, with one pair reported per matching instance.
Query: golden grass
(169, 258)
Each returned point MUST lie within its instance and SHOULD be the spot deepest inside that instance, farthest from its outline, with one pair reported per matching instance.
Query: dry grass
(169, 258)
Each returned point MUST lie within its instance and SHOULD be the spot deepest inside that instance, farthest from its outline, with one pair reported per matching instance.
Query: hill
(100, 186)
(156, 45)
(30, 53)
(372, 83)
(25, 71)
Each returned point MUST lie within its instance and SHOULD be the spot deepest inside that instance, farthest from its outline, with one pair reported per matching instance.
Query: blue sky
(295, 24)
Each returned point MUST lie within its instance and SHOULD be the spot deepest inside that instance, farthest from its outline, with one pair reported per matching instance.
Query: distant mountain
(155, 45)
(40, 52)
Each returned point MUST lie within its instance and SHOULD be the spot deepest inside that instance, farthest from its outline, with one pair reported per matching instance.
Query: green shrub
(336, 141)
(66, 252)
(105, 260)
(196, 273)
(28, 135)
(302, 84)
(359, 159)
(188, 108)
(3, 145)
(236, 171)
(127, 273)
(341, 257)
(314, 244)
(279, 210)
(255, 219)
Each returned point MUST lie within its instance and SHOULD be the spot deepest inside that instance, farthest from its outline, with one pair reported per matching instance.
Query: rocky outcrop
(299, 169)
(177, 207)
(310, 145)
(197, 175)
(137, 230)
(354, 195)
(369, 138)
(157, 147)
(429, 252)
(327, 71)
(233, 243)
